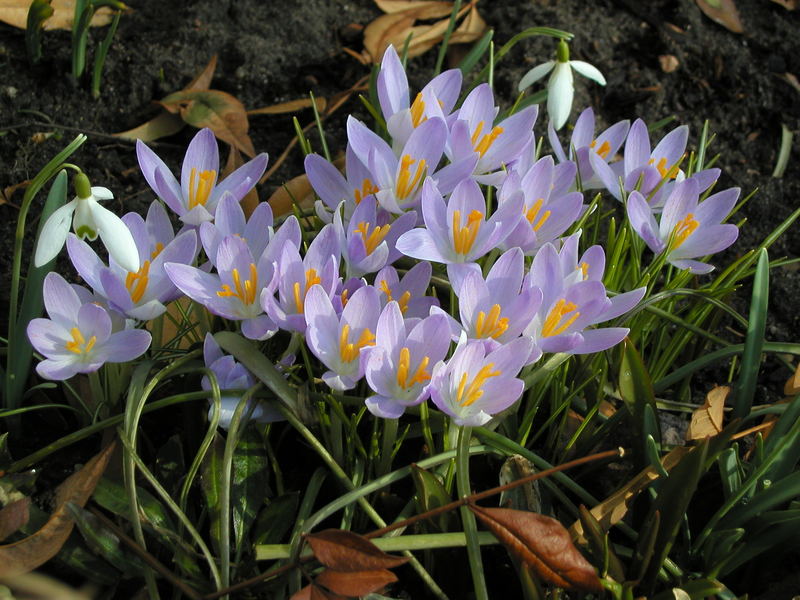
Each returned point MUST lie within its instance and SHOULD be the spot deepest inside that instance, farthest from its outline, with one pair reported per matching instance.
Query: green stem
(467, 518)
(387, 445)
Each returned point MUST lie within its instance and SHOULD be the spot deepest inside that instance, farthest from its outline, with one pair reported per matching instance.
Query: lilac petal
(500, 392)
(597, 340)
(229, 216)
(59, 370)
(366, 143)
(517, 130)
(392, 84)
(201, 287)
(672, 146)
(158, 224)
(327, 181)
(180, 250)
(458, 273)
(363, 309)
(418, 243)
(621, 304)
(643, 222)
(158, 176)
(391, 331)
(211, 350)
(115, 290)
(560, 343)
(694, 266)
(384, 407)
(165, 180)
(505, 276)
(339, 383)
(614, 135)
(706, 178)
(259, 328)
(53, 234)
(288, 233)
(681, 201)
(242, 180)
(427, 143)
(322, 334)
(713, 239)
(478, 106)
(85, 261)
(136, 225)
(606, 174)
(93, 321)
(583, 132)
(60, 299)
(124, 346)
(717, 207)
(48, 337)
(202, 154)
(637, 147)
(434, 212)
(555, 143)
(447, 86)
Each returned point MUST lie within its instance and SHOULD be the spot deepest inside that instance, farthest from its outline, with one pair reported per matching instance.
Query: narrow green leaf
(111, 496)
(599, 546)
(636, 390)
(249, 482)
(211, 483)
(720, 544)
(275, 520)
(431, 494)
(774, 495)
(476, 53)
(730, 470)
(38, 13)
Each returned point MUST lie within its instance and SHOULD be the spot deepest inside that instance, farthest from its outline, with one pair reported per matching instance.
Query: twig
(89, 133)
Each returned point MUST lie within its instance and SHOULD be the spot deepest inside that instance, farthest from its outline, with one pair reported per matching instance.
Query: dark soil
(278, 50)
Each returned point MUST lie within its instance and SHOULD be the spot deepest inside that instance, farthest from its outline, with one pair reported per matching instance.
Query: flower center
(79, 345)
(348, 351)
(406, 184)
(372, 238)
(482, 144)
(157, 251)
(245, 291)
(367, 188)
(300, 295)
(584, 268)
(683, 230)
(418, 111)
(464, 237)
(661, 165)
(491, 325)
(200, 186)
(603, 150)
(136, 283)
(533, 212)
(553, 324)
(467, 395)
(421, 375)
(402, 302)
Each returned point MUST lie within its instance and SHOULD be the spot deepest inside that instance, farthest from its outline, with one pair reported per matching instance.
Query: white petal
(54, 234)
(535, 74)
(587, 70)
(559, 95)
(101, 193)
(116, 237)
(83, 222)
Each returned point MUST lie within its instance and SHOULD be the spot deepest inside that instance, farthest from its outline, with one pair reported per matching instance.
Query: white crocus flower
(559, 87)
(89, 219)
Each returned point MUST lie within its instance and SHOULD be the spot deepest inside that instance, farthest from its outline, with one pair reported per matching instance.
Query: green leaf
(171, 463)
(432, 494)
(476, 53)
(776, 494)
(730, 470)
(38, 13)
(599, 546)
(636, 390)
(720, 544)
(249, 484)
(785, 459)
(111, 496)
(211, 483)
(276, 519)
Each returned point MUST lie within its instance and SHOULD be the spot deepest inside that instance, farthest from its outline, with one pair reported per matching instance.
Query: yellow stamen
(418, 111)
(157, 251)
(553, 325)
(490, 325)
(136, 283)
(584, 267)
(404, 298)
(421, 375)
(482, 144)
(604, 149)
(246, 292)
(468, 395)
(345, 297)
(533, 212)
(406, 184)
(348, 351)
(300, 293)
(464, 237)
(668, 173)
(372, 239)
(79, 345)
(367, 188)
(683, 230)
(200, 186)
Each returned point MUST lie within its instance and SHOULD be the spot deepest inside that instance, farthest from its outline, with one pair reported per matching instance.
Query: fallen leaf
(15, 13)
(357, 583)
(787, 4)
(394, 6)
(543, 544)
(203, 79)
(792, 387)
(313, 592)
(221, 112)
(707, 419)
(35, 550)
(723, 12)
(289, 107)
(250, 199)
(13, 516)
(9, 191)
(611, 510)
(297, 190)
(347, 551)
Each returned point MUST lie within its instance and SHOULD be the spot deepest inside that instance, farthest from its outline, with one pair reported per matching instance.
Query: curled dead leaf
(707, 419)
(355, 583)
(289, 107)
(787, 4)
(723, 12)
(297, 190)
(15, 13)
(347, 551)
(13, 516)
(314, 592)
(792, 387)
(543, 544)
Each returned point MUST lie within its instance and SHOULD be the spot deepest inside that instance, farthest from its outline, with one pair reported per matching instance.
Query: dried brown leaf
(8, 192)
(289, 107)
(543, 544)
(386, 27)
(723, 12)
(297, 190)
(35, 550)
(355, 583)
(314, 592)
(221, 112)
(204, 77)
(13, 516)
(792, 387)
(347, 551)
(250, 200)
(787, 4)
(15, 13)
(439, 9)
(611, 510)
(471, 29)
(707, 419)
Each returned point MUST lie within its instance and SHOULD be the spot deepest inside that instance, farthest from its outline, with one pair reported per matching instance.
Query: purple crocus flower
(235, 291)
(141, 294)
(344, 291)
(195, 198)
(230, 220)
(295, 276)
(398, 367)
(459, 231)
(582, 142)
(548, 210)
(78, 338)
(333, 188)
(368, 242)
(342, 342)
(688, 228)
(574, 298)
(232, 375)
(408, 292)
(475, 385)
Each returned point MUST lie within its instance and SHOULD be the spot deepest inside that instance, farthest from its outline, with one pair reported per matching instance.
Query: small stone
(10, 91)
(668, 63)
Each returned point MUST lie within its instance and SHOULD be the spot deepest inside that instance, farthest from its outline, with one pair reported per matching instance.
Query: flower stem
(467, 518)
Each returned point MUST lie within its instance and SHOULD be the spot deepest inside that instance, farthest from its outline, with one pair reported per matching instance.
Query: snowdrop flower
(78, 337)
(89, 219)
(559, 87)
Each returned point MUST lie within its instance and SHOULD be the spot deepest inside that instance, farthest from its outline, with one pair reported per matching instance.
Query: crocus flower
(341, 342)
(230, 220)
(195, 198)
(232, 375)
(78, 338)
(399, 366)
(408, 292)
(333, 188)
(475, 385)
(574, 298)
(89, 219)
(559, 87)
(688, 228)
(144, 293)
(436, 99)
(235, 291)
(582, 142)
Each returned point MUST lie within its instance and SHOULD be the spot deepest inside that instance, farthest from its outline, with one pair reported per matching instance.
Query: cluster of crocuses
(360, 292)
